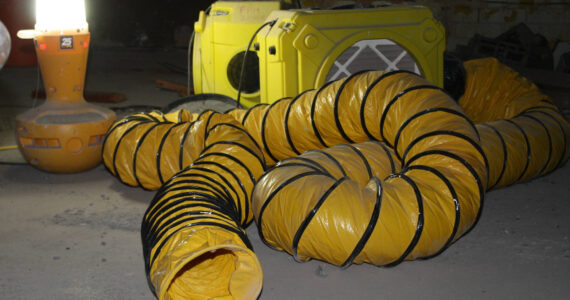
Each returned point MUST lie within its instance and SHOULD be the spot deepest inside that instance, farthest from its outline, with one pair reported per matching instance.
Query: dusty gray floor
(77, 236)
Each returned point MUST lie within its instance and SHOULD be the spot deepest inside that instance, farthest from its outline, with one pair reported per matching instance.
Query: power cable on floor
(35, 99)
(10, 147)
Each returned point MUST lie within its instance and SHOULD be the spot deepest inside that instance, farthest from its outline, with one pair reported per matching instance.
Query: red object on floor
(16, 15)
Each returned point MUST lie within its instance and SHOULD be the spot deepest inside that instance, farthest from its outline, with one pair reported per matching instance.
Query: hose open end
(213, 264)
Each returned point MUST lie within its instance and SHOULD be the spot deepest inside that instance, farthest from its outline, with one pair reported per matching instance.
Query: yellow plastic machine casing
(219, 37)
(300, 51)
(297, 53)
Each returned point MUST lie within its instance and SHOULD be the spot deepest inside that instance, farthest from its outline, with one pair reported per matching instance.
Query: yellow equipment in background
(306, 48)
(220, 41)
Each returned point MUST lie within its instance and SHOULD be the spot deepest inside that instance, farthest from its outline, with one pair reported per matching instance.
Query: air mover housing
(306, 48)
(220, 41)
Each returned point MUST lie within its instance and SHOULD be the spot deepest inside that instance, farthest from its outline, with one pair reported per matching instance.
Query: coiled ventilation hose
(523, 133)
(377, 168)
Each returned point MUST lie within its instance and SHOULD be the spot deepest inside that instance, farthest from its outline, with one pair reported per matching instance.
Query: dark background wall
(155, 23)
(146, 23)
(143, 23)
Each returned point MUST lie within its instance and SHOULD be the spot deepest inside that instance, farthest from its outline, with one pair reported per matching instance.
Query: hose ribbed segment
(193, 238)
(146, 149)
(523, 135)
(194, 243)
(435, 198)
(353, 204)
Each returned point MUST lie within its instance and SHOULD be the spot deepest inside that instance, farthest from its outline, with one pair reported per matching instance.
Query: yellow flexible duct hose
(357, 210)
(522, 132)
(147, 136)
(194, 243)
(346, 220)
(404, 176)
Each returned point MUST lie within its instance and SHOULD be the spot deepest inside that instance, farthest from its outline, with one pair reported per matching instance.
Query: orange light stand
(65, 134)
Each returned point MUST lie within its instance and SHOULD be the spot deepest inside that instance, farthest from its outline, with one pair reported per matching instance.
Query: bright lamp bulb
(60, 15)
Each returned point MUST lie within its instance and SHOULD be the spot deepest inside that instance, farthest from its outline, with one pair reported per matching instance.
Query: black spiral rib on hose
(468, 166)
(137, 147)
(550, 112)
(505, 155)
(249, 111)
(538, 121)
(287, 131)
(181, 148)
(115, 170)
(365, 98)
(396, 98)
(370, 227)
(331, 158)
(528, 149)
(162, 142)
(362, 157)
(312, 118)
(419, 222)
(455, 200)
(426, 112)
(336, 104)
(263, 122)
(564, 155)
(274, 193)
(310, 216)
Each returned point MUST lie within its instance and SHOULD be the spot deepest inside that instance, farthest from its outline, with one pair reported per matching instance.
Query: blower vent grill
(378, 54)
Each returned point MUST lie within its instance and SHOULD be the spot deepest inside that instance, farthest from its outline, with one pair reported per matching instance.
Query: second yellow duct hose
(194, 243)
(404, 176)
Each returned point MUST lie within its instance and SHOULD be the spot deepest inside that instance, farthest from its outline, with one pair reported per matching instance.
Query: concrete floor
(77, 236)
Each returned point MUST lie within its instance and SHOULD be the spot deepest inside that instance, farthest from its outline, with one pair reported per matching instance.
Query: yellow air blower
(220, 41)
(65, 134)
(305, 48)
